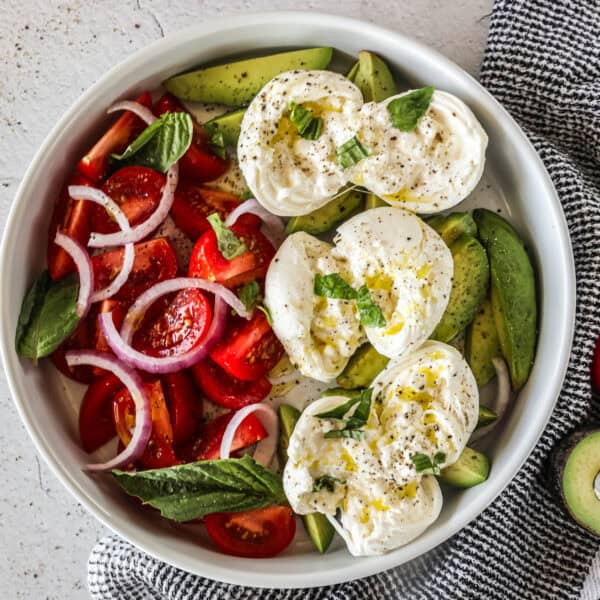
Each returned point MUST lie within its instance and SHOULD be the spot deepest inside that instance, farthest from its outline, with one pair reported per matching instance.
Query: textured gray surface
(49, 53)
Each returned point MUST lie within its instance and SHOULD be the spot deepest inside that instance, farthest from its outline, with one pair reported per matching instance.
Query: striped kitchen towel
(543, 63)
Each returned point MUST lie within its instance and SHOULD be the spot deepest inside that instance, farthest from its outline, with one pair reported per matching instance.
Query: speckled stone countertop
(49, 53)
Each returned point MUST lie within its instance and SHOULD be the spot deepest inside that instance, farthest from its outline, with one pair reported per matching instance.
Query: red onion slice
(502, 398)
(167, 364)
(143, 412)
(82, 192)
(83, 263)
(136, 108)
(144, 229)
(265, 449)
(273, 228)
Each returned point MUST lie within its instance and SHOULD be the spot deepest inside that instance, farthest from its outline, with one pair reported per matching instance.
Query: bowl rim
(356, 568)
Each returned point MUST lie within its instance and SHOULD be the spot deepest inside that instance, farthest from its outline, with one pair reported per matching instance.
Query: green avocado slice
(471, 468)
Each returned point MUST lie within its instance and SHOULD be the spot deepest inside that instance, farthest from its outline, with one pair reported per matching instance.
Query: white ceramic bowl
(518, 183)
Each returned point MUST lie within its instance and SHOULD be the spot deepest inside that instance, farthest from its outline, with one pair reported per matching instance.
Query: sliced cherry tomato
(159, 452)
(179, 328)
(258, 533)
(225, 390)
(208, 444)
(154, 261)
(73, 217)
(137, 190)
(596, 368)
(208, 262)
(82, 338)
(185, 405)
(199, 162)
(118, 310)
(249, 350)
(193, 203)
(95, 164)
(96, 426)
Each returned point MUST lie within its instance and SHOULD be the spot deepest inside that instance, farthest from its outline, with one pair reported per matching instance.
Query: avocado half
(576, 470)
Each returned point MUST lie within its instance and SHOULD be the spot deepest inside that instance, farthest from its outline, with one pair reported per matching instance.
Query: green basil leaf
(424, 464)
(333, 286)
(326, 482)
(249, 294)
(361, 415)
(351, 152)
(406, 111)
(246, 195)
(308, 126)
(355, 434)
(48, 316)
(265, 309)
(217, 144)
(339, 412)
(193, 490)
(370, 313)
(161, 144)
(229, 244)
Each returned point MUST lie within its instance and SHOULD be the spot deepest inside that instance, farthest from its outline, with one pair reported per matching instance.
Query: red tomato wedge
(227, 391)
(208, 446)
(154, 261)
(137, 190)
(185, 405)
(95, 164)
(178, 328)
(208, 262)
(193, 203)
(118, 310)
(199, 162)
(249, 350)
(258, 533)
(96, 426)
(159, 452)
(73, 217)
(82, 338)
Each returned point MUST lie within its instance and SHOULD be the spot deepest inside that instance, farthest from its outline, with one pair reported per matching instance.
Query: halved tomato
(73, 217)
(249, 350)
(225, 390)
(178, 328)
(96, 426)
(208, 445)
(95, 164)
(208, 262)
(193, 203)
(154, 261)
(137, 190)
(159, 452)
(199, 162)
(82, 338)
(258, 533)
(185, 405)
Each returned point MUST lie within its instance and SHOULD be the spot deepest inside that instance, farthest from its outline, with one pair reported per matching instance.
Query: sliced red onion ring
(167, 364)
(84, 269)
(82, 192)
(133, 383)
(144, 229)
(136, 108)
(265, 449)
(502, 398)
(273, 228)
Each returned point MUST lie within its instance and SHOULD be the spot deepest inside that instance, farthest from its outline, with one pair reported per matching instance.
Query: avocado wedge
(373, 201)
(319, 529)
(576, 467)
(327, 217)
(482, 344)
(486, 416)
(236, 83)
(364, 365)
(471, 468)
(228, 124)
(469, 287)
(372, 76)
(512, 293)
(451, 227)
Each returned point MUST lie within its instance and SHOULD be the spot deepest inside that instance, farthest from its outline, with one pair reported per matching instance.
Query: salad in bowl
(257, 273)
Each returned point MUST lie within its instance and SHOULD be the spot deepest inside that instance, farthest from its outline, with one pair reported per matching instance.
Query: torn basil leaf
(406, 111)
(333, 285)
(424, 464)
(249, 294)
(229, 244)
(309, 127)
(326, 482)
(351, 152)
(369, 311)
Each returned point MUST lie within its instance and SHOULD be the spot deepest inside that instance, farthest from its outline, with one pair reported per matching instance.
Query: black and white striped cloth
(543, 63)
